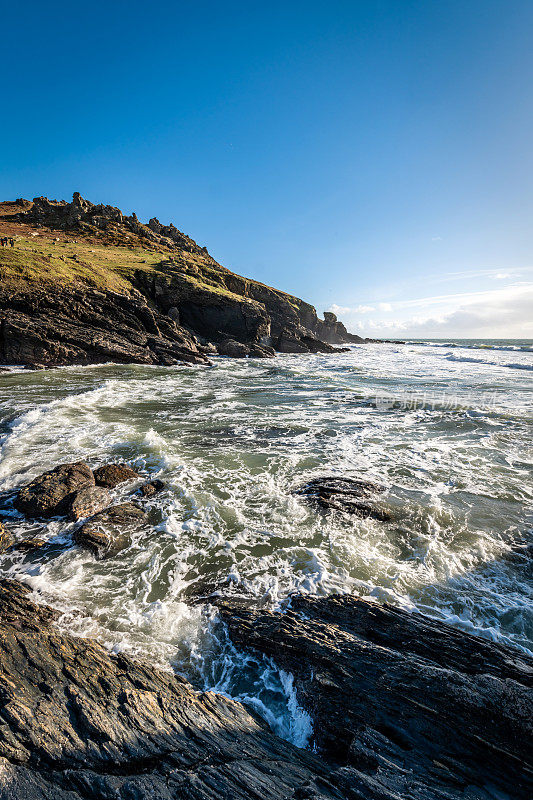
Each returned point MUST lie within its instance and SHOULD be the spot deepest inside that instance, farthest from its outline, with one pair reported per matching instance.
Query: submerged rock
(110, 531)
(343, 494)
(51, 493)
(88, 501)
(111, 475)
(423, 710)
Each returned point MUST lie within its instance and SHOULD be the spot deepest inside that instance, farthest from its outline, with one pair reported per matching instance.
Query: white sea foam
(231, 442)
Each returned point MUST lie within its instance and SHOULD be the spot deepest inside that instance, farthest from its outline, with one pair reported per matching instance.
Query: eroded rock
(232, 348)
(111, 475)
(6, 539)
(77, 722)
(110, 531)
(153, 487)
(50, 494)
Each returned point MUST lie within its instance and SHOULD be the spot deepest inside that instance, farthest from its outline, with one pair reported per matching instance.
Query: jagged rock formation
(54, 325)
(421, 709)
(77, 722)
(404, 709)
(59, 304)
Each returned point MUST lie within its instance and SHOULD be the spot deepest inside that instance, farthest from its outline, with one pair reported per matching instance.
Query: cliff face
(78, 268)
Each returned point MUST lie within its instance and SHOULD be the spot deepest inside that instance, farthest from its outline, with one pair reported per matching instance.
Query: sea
(445, 426)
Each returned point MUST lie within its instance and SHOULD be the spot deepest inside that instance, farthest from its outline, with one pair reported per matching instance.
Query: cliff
(85, 283)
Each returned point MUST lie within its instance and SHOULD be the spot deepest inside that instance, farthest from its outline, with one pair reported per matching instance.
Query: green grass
(41, 260)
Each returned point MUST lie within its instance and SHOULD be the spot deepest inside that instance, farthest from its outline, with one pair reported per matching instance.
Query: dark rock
(88, 501)
(261, 351)
(110, 531)
(77, 722)
(154, 487)
(229, 347)
(6, 539)
(44, 326)
(111, 475)
(343, 494)
(289, 343)
(422, 709)
(50, 494)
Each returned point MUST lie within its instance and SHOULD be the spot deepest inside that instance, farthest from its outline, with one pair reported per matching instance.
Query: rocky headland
(85, 283)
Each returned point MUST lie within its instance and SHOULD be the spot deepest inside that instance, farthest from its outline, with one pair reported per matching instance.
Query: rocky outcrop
(421, 709)
(110, 531)
(89, 218)
(152, 487)
(162, 310)
(88, 501)
(51, 493)
(343, 494)
(404, 708)
(77, 722)
(56, 325)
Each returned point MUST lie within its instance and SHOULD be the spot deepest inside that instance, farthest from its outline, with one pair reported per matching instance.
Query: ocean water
(446, 427)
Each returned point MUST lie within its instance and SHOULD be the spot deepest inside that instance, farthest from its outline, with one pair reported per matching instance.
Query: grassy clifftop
(50, 256)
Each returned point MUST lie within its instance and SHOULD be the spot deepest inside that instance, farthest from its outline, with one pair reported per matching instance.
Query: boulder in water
(232, 348)
(88, 501)
(153, 487)
(50, 494)
(110, 531)
(111, 475)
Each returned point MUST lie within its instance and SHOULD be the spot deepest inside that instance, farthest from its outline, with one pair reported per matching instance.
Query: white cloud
(384, 306)
(505, 312)
(436, 238)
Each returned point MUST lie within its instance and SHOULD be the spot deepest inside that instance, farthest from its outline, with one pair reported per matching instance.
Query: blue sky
(372, 157)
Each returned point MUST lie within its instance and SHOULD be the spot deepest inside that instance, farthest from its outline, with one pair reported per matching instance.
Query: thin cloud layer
(494, 314)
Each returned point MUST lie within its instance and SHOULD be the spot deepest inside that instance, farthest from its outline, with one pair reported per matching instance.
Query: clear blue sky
(374, 157)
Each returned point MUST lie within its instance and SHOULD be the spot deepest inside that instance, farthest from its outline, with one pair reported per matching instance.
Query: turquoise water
(446, 427)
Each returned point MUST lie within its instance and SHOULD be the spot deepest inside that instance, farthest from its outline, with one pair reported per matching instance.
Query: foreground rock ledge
(421, 708)
(77, 722)
(404, 709)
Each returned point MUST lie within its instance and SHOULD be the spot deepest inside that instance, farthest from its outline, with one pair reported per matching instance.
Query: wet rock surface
(344, 494)
(152, 487)
(6, 539)
(88, 501)
(77, 722)
(110, 531)
(112, 475)
(51, 493)
(421, 709)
